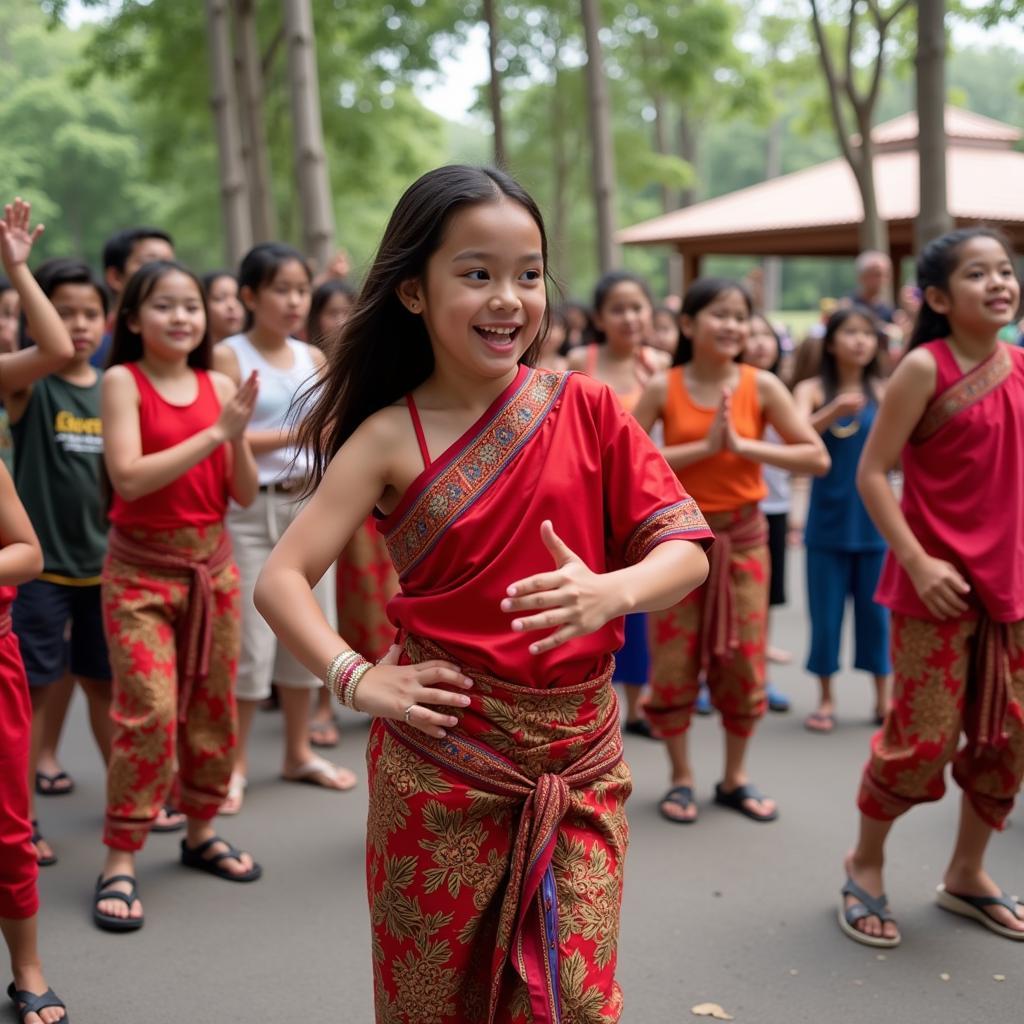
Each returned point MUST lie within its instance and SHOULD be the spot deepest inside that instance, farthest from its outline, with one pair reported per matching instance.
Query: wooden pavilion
(817, 211)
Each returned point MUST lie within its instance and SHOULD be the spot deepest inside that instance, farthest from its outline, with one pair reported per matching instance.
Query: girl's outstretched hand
(16, 237)
(237, 412)
(940, 586)
(388, 690)
(572, 600)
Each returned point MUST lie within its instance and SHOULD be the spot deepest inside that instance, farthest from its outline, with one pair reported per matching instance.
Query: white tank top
(278, 390)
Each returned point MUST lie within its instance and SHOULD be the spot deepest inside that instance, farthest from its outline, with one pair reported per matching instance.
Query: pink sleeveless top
(963, 490)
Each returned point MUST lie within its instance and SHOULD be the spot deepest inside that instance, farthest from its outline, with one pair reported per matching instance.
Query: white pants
(254, 532)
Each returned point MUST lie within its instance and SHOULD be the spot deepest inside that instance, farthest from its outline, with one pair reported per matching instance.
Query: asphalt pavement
(726, 911)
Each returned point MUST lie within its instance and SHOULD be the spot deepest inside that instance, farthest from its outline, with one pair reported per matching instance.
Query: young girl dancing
(619, 357)
(525, 513)
(954, 579)
(844, 548)
(21, 560)
(714, 412)
(174, 446)
(275, 288)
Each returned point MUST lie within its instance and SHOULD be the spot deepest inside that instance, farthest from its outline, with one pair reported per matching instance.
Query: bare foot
(29, 978)
(869, 878)
(961, 882)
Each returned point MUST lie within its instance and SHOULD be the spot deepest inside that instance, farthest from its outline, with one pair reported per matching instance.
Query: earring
(414, 307)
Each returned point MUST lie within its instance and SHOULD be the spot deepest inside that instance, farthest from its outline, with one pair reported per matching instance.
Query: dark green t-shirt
(58, 448)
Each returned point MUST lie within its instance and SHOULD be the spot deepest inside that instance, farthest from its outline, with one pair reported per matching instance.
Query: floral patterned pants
(922, 731)
(366, 582)
(143, 611)
(736, 679)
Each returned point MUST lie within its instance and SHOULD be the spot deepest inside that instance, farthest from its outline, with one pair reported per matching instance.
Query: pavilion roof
(816, 211)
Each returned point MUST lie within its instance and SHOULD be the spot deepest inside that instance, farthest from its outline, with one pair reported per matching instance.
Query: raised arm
(803, 452)
(809, 402)
(53, 347)
(939, 585)
(21, 558)
(135, 475)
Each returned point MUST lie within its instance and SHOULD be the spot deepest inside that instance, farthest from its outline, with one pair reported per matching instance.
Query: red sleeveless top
(963, 484)
(199, 497)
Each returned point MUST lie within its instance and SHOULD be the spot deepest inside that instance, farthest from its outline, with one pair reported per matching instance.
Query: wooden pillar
(691, 268)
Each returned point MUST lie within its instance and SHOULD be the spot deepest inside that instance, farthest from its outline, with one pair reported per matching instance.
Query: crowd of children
(232, 490)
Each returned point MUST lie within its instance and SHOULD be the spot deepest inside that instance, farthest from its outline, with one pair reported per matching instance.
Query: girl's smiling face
(281, 306)
(172, 319)
(482, 296)
(983, 293)
(719, 331)
(762, 347)
(227, 316)
(855, 342)
(625, 317)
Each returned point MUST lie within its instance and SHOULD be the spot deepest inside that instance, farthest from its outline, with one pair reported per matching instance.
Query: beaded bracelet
(338, 664)
(352, 684)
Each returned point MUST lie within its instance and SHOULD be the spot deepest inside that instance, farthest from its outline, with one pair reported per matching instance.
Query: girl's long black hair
(127, 346)
(935, 266)
(383, 351)
(698, 296)
(829, 369)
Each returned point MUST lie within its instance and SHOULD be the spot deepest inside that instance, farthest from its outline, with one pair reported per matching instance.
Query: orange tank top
(724, 481)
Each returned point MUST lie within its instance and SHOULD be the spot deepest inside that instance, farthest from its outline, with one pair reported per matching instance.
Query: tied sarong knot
(195, 634)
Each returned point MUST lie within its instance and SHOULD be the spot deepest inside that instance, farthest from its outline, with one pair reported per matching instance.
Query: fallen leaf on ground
(711, 1010)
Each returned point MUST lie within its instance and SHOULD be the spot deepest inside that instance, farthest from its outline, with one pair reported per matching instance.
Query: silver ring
(407, 711)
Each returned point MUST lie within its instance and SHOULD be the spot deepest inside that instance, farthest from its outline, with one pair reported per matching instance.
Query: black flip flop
(108, 922)
(193, 858)
(734, 801)
(639, 727)
(681, 796)
(43, 862)
(26, 1002)
(169, 811)
(48, 785)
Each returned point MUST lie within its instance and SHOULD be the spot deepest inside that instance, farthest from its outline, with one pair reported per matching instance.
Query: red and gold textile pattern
(719, 629)
(366, 582)
(488, 848)
(146, 611)
(552, 446)
(19, 898)
(933, 693)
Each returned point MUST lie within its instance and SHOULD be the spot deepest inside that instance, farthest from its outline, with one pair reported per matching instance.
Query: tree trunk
(255, 151)
(603, 157)
(561, 168)
(688, 150)
(874, 232)
(772, 265)
(233, 191)
(491, 17)
(311, 177)
(933, 218)
(669, 195)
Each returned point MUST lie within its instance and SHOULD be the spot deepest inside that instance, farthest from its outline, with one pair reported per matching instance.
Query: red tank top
(963, 486)
(199, 497)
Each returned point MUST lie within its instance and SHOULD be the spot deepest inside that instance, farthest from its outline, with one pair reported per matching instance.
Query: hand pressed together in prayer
(572, 600)
(401, 692)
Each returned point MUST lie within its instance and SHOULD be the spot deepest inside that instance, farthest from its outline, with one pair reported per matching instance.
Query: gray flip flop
(973, 907)
(866, 906)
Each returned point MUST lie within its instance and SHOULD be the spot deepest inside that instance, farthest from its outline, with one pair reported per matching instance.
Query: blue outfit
(845, 552)
(633, 658)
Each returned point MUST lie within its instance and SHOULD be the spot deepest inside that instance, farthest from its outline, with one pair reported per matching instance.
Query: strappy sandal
(866, 906)
(678, 796)
(973, 907)
(108, 922)
(733, 799)
(37, 838)
(26, 1002)
(193, 858)
(170, 825)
